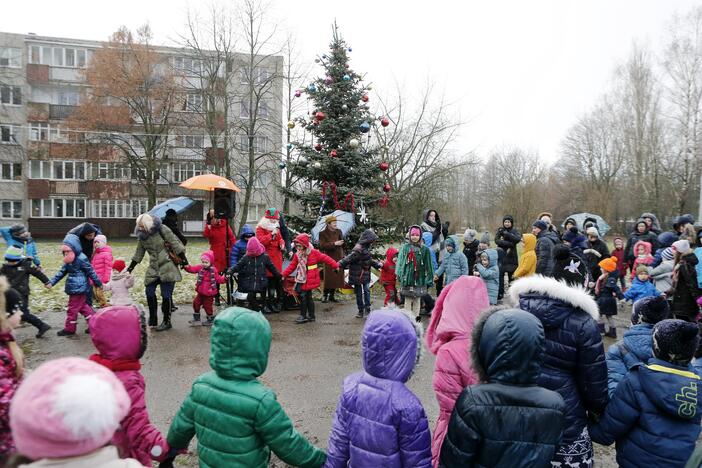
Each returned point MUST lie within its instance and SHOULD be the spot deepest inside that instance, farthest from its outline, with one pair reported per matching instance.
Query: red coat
(622, 266)
(313, 279)
(218, 243)
(387, 272)
(275, 246)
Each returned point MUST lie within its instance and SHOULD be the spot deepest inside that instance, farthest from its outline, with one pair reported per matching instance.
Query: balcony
(59, 112)
(37, 74)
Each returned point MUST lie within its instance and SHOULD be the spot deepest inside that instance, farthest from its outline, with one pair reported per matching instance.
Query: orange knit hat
(608, 264)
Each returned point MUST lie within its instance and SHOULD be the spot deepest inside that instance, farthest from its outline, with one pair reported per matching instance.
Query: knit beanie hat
(119, 265)
(303, 239)
(571, 234)
(675, 341)
(641, 269)
(485, 238)
(469, 235)
(650, 310)
(540, 224)
(592, 231)
(17, 230)
(561, 252)
(65, 408)
(415, 231)
(272, 213)
(254, 248)
(14, 253)
(608, 264)
(208, 255)
(667, 254)
(682, 246)
(101, 238)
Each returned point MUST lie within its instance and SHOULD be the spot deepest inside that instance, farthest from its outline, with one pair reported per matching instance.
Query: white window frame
(65, 57)
(15, 207)
(47, 169)
(57, 207)
(244, 112)
(10, 171)
(12, 92)
(10, 57)
(13, 134)
(193, 102)
(38, 131)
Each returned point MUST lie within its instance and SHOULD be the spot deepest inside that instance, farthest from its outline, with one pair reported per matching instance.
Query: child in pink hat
(448, 337)
(206, 287)
(65, 413)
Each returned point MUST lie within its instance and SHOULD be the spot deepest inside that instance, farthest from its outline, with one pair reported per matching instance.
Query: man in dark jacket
(507, 354)
(545, 241)
(171, 221)
(507, 238)
(596, 251)
(574, 361)
(86, 232)
(359, 263)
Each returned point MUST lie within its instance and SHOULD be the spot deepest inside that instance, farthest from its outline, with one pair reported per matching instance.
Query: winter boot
(310, 310)
(65, 332)
(360, 313)
(367, 311)
(612, 333)
(153, 311)
(195, 322)
(209, 322)
(303, 311)
(601, 328)
(43, 328)
(325, 296)
(166, 311)
(332, 297)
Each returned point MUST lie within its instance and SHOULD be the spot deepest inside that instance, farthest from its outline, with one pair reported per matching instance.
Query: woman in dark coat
(640, 233)
(574, 361)
(86, 232)
(171, 221)
(507, 238)
(685, 290)
(332, 244)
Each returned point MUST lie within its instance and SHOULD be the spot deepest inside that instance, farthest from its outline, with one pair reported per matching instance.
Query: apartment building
(52, 177)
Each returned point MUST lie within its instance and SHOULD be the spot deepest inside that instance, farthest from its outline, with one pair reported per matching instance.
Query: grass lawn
(42, 300)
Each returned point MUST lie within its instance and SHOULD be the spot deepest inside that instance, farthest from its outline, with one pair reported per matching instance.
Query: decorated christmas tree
(342, 168)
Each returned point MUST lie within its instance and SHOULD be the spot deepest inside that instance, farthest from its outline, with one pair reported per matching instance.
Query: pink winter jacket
(120, 283)
(119, 335)
(448, 337)
(204, 284)
(102, 263)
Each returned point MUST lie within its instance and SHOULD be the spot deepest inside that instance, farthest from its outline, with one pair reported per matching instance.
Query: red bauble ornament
(333, 153)
(383, 166)
(364, 98)
(384, 202)
(384, 121)
(318, 147)
(387, 188)
(298, 93)
(320, 116)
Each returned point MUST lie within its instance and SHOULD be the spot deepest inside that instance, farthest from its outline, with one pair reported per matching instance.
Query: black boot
(195, 322)
(310, 309)
(153, 310)
(166, 311)
(360, 313)
(303, 310)
(368, 311)
(332, 297)
(325, 296)
(43, 328)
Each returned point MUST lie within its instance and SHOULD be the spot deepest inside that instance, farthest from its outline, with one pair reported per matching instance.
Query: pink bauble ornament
(333, 153)
(319, 116)
(383, 166)
(384, 121)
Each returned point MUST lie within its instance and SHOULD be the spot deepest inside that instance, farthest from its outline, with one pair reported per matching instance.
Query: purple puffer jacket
(379, 421)
(119, 335)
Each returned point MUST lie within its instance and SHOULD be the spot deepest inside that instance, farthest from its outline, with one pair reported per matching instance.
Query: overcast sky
(519, 71)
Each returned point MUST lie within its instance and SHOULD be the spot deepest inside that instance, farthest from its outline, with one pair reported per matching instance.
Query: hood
(254, 248)
(507, 346)
(456, 310)
(646, 246)
(392, 251)
(153, 223)
(670, 388)
(656, 225)
(492, 257)
(529, 242)
(72, 241)
(208, 255)
(367, 237)
(414, 226)
(246, 230)
(691, 258)
(666, 239)
(391, 345)
(303, 239)
(85, 228)
(638, 341)
(119, 332)
(507, 218)
(427, 238)
(425, 216)
(551, 300)
(239, 344)
(453, 242)
(636, 226)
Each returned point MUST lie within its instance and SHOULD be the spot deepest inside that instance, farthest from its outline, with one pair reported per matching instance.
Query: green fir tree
(342, 167)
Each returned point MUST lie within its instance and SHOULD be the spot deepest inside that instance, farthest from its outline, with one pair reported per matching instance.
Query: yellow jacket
(527, 262)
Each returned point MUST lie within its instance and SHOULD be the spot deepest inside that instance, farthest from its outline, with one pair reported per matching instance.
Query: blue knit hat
(675, 341)
(667, 254)
(650, 310)
(540, 224)
(571, 234)
(14, 253)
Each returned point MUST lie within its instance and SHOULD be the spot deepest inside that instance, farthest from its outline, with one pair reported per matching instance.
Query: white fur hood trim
(575, 296)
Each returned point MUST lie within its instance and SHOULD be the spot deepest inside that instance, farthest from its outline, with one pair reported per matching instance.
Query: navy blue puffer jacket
(654, 416)
(78, 271)
(574, 365)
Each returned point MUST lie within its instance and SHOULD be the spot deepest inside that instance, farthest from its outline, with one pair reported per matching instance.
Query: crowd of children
(537, 365)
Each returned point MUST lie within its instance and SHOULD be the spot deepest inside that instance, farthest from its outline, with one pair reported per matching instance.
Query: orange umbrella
(209, 182)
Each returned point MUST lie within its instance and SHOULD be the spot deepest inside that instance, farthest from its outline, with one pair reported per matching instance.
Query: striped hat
(667, 254)
(14, 253)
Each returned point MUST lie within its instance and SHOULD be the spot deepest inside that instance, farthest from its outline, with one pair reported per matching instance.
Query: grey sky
(519, 71)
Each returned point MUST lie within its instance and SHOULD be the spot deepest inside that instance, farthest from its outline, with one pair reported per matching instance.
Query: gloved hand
(131, 266)
(183, 259)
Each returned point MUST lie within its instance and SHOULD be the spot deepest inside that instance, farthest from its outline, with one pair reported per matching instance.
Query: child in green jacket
(225, 404)
(414, 270)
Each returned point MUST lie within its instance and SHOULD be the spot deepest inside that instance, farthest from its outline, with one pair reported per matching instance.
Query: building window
(69, 98)
(111, 171)
(11, 171)
(118, 208)
(59, 56)
(11, 95)
(244, 110)
(10, 57)
(38, 131)
(8, 134)
(193, 102)
(263, 109)
(184, 171)
(187, 65)
(259, 75)
(57, 170)
(260, 144)
(10, 209)
(190, 141)
(58, 208)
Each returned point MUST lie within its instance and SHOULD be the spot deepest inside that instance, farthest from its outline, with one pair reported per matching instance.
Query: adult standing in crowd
(545, 241)
(651, 221)
(574, 362)
(507, 238)
(547, 218)
(331, 243)
(439, 232)
(86, 233)
(268, 232)
(221, 238)
(596, 251)
(470, 247)
(171, 221)
(156, 239)
(641, 233)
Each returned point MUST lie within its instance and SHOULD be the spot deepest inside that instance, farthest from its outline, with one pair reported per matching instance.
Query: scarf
(116, 365)
(301, 270)
(412, 258)
(201, 275)
(6, 337)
